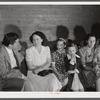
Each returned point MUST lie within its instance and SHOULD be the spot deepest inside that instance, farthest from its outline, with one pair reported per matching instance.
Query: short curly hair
(10, 38)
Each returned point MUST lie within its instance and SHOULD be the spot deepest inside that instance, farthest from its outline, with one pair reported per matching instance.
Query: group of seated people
(68, 68)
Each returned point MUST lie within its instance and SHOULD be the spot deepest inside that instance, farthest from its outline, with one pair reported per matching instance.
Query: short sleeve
(28, 55)
(48, 52)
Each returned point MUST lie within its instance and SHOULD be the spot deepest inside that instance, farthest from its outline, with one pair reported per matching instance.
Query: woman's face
(60, 45)
(71, 50)
(37, 40)
(91, 42)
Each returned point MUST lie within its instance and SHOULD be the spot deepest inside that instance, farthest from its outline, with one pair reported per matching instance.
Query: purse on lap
(45, 72)
(90, 77)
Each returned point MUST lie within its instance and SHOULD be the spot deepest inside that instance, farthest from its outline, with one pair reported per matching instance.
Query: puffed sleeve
(48, 52)
(28, 55)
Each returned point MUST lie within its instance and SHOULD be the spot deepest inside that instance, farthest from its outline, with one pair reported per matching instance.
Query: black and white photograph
(51, 48)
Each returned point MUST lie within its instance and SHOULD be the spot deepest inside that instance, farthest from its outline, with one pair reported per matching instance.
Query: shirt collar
(9, 50)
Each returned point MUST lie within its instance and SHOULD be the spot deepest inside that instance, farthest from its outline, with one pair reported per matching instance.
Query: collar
(9, 50)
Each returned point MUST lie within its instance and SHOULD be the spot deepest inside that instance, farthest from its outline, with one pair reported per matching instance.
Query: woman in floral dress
(87, 54)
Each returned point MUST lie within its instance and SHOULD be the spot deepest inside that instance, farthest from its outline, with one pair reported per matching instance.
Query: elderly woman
(87, 54)
(38, 60)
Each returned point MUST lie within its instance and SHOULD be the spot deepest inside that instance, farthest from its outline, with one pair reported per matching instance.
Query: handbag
(45, 72)
(90, 77)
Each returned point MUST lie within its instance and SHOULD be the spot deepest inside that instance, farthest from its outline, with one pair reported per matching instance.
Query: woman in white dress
(38, 59)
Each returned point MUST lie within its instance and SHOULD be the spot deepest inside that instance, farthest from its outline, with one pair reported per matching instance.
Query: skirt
(44, 83)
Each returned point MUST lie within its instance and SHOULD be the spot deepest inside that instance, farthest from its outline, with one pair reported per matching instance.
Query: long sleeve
(3, 66)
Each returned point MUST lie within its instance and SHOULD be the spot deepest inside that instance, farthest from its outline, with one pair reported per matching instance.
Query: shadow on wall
(14, 28)
(95, 29)
(0, 43)
(80, 34)
(45, 42)
(61, 32)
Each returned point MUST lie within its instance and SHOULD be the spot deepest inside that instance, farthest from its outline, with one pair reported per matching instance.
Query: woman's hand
(60, 76)
(38, 70)
(73, 57)
(88, 68)
(71, 71)
(77, 71)
(97, 68)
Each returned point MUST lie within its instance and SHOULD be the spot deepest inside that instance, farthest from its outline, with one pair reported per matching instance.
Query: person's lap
(44, 83)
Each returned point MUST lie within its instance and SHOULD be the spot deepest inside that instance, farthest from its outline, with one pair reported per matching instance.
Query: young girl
(58, 61)
(75, 81)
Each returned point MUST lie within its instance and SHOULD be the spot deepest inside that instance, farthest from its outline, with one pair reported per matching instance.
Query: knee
(28, 86)
(52, 78)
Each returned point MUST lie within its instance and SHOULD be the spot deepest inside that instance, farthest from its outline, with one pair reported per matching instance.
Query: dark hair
(61, 39)
(90, 35)
(40, 34)
(10, 38)
(69, 42)
(87, 38)
(72, 44)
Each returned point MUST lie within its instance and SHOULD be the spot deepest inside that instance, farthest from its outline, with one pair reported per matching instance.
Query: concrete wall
(68, 21)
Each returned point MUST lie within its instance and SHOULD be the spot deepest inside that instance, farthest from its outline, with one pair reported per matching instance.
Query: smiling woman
(87, 54)
(38, 60)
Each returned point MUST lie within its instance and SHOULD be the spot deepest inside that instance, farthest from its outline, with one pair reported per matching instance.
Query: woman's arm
(29, 61)
(55, 70)
(83, 59)
(47, 64)
(32, 67)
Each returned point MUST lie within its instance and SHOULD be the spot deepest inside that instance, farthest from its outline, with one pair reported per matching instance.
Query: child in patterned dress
(58, 61)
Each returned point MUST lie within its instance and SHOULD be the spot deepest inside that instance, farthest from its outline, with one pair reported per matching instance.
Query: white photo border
(50, 94)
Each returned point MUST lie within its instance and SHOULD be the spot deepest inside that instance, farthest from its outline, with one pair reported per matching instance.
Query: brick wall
(68, 21)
